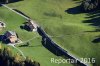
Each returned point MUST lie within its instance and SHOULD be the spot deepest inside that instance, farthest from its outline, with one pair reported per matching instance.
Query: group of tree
(8, 1)
(90, 4)
(8, 59)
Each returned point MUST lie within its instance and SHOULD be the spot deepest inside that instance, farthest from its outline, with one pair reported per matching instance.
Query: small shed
(11, 36)
(31, 25)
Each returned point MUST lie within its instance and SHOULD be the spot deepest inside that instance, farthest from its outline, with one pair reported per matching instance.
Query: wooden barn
(30, 25)
(11, 36)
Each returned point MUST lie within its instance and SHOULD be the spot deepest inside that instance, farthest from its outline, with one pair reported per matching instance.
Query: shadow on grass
(48, 45)
(75, 10)
(97, 40)
(15, 1)
(54, 48)
(93, 18)
(25, 27)
(30, 46)
(59, 52)
(21, 13)
(3, 39)
(0, 5)
(10, 1)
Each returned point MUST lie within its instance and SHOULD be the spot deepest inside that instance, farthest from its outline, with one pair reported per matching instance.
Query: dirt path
(13, 45)
(18, 50)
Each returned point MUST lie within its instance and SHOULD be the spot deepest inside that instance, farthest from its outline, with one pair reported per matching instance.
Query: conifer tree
(90, 4)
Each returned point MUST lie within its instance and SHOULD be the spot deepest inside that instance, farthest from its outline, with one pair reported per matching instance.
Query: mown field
(64, 19)
(35, 50)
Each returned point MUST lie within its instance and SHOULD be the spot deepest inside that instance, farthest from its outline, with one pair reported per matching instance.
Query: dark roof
(31, 24)
(10, 33)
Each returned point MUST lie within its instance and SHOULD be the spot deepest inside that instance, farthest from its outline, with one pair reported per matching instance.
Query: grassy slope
(51, 16)
(36, 51)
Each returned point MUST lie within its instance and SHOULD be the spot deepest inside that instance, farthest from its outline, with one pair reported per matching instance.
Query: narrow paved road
(35, 25)
(18, 50)
(13, 45)
(14, 11)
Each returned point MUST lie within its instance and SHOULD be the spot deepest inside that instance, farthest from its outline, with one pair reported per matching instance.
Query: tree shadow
(30, 46)
(93, 19)
(48, 45)
(97, 40)
(21, 13)
(93, 16)
(25, 27)
(11, 1)
(3, 39)
(75, 10)
(0, 5)
(79, 9)
(15, 1)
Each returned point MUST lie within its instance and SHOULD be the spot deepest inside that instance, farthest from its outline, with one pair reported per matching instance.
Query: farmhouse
(11, 37)
(30, 25)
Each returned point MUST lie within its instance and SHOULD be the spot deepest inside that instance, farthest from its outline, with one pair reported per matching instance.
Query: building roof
(10, 33)
(31, 24)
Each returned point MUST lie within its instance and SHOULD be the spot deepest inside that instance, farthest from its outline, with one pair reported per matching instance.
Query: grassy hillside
(35, 51)
(74, 35)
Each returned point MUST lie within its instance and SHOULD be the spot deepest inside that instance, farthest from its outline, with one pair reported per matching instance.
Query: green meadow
(35, 50)
(67, 29)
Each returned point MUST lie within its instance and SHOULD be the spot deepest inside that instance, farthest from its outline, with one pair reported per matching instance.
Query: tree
(36, 63)
(9, 52)
(90, 4)
(17, 58)
(0, 46)
(7, 60)
(27, 61)
(27, 44)
(7, 1)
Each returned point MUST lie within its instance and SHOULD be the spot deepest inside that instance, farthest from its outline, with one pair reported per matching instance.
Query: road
(14, 11)
(18, 50)
(13, 45)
